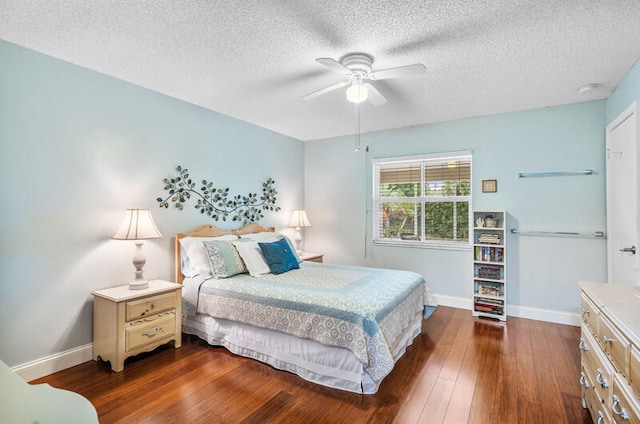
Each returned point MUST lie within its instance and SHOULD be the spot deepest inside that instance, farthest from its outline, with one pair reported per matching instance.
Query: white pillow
(251, 254)
(198, 259)
(186, 267)
(268, 237)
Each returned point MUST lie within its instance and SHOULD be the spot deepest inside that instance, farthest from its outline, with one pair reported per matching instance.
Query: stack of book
(488, 239)
(489, 271)
(492, 306)
(489, 288)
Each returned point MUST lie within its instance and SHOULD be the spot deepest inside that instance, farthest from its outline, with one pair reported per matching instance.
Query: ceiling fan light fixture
(357, 93)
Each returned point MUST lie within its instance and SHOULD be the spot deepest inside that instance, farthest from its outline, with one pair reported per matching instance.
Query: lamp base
(138, 285)
(138, 262)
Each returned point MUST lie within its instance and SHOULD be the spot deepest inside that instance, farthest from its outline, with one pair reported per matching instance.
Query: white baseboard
(537, 314)
(54, 363)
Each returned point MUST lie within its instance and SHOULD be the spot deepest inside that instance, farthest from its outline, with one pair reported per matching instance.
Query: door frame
(629, 112)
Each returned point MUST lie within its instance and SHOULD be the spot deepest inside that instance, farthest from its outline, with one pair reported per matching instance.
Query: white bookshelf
(489, 264)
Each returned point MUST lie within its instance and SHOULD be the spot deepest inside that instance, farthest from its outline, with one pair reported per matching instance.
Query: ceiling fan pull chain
(357, 105)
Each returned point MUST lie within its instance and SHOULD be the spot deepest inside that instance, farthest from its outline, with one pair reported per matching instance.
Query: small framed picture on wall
(489, 186)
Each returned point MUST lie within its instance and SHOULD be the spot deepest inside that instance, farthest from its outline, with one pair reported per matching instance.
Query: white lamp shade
(299, 219)
(137, 225)
(357, 93)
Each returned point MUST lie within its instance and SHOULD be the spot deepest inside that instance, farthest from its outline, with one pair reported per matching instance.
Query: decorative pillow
(198, 260)
(252, 256)
(224, 258)
(279, 256)
(270, 237)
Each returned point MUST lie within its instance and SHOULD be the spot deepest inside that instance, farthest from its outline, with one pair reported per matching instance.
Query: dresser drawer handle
(585, 311)
(583, 345)
(600, 418)
(601, 381)
(606, 339)
(622, 412)
(151, 334)
(583, 381)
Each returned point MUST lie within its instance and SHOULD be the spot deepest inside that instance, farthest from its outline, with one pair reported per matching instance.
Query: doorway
(623, 251)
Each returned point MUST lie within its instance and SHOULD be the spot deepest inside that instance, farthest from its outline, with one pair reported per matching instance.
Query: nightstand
(128, 322)
(311, 257)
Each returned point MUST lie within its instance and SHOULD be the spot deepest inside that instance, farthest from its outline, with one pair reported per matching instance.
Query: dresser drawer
(615, 345)
(150, 305)
(599, 412)
(149, 330)
(597, 368)
(634, 371)
(590, 312)
(624, 408)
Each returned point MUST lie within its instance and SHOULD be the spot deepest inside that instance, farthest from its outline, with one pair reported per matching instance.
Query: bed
(340, 326)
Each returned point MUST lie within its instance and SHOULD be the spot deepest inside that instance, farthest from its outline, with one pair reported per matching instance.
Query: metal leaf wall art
(216, 202)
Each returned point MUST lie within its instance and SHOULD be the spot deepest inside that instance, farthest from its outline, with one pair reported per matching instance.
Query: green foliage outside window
(402, 219)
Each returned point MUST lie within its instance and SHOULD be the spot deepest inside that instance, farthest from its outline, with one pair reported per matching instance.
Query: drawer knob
(585, 311)
(583, 345)
(621, 412)
(152, 333)
(607, 339)
(153, 305)
(583, 381)
(601, 381)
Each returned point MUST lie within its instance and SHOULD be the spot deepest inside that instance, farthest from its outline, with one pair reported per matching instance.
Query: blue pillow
(279, 256)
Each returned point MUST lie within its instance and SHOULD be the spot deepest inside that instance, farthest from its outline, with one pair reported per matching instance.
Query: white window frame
(422, 159)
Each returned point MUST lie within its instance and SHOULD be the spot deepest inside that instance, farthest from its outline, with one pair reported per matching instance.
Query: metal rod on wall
(554, 174)
(598, 234)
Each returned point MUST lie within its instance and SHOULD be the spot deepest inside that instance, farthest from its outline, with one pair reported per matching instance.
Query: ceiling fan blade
(334, 65)
(374, 96)
(399, 72)
(325, 90)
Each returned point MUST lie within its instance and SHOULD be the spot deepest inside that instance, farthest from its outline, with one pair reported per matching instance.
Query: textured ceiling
(254, 60)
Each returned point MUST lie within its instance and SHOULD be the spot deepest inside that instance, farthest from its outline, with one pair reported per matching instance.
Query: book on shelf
(484, 240)
(489, 288)
(489, 271)
(493, 306)
(489, 254)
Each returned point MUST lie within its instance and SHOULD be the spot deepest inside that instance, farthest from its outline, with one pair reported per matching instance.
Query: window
(422, 201)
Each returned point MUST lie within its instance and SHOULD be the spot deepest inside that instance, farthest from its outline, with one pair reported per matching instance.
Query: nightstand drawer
(149, 330)
(150, 305)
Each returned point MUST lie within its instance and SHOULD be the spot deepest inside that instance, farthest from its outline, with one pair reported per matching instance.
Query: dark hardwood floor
(459, 370)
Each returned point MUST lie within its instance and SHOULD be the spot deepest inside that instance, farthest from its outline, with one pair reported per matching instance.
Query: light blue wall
(625, 93)
(76, 149)
(543, 271)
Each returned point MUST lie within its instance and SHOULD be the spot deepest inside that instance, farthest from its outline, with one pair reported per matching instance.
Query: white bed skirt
(329, 366)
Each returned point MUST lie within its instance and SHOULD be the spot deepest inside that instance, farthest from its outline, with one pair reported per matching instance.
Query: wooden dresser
(610, 350)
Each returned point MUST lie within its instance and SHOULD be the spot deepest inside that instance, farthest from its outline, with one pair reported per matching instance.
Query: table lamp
(299, 219)
(138, 225)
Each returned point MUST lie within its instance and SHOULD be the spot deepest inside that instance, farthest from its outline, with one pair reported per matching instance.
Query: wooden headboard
(212, 231)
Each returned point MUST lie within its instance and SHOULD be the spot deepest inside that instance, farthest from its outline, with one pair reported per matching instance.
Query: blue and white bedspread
(361, 309)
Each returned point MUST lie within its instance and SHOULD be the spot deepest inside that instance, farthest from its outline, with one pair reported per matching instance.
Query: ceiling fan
(357, 69)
